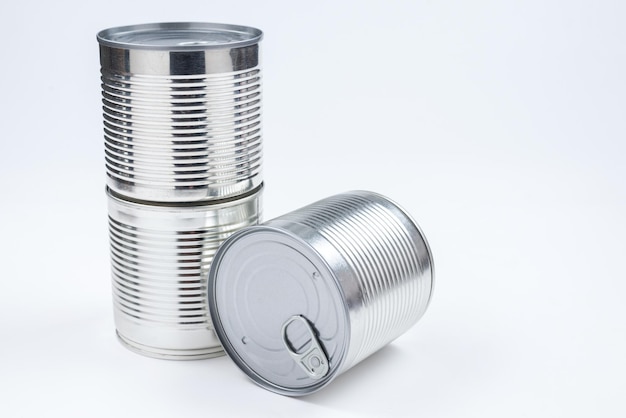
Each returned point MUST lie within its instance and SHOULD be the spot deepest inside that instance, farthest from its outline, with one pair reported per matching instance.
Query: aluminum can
(302, 298)
(160, 257)
(182, 110)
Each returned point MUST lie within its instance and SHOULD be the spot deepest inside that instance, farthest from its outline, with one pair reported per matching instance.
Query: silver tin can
(302, 298)
(182, 110)
(160, 257)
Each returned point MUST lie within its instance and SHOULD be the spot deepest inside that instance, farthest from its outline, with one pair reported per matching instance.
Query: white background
(499, 125)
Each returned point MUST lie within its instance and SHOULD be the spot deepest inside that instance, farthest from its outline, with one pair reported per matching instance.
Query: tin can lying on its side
(302, 298)
(160, 257)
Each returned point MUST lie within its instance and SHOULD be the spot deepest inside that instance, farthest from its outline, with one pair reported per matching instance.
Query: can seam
(195, 204)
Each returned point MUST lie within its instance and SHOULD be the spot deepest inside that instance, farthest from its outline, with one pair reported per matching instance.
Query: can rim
(184, 205)
(110, 37)
(233, 354)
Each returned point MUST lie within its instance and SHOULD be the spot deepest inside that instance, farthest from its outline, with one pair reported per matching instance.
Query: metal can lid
(179, 36)
(278, 310)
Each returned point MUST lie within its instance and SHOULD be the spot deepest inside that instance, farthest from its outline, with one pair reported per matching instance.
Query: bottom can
(302, 298)
(160, 258)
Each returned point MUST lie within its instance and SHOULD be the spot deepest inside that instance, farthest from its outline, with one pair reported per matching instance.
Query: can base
(167, 354)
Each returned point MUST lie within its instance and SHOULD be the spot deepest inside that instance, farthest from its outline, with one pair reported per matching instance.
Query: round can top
(278, 310)
(179, 36)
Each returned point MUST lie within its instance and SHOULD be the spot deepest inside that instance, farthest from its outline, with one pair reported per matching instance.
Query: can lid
(176, 36)
(278, 310)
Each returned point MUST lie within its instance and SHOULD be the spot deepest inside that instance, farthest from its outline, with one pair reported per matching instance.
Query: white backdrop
(499, 125)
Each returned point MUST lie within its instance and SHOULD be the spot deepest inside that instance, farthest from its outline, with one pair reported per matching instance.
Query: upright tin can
(160, 257)
(182, 110)
(302, 298)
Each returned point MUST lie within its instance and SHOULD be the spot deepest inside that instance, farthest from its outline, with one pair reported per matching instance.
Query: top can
(182, 110)
(179, 36)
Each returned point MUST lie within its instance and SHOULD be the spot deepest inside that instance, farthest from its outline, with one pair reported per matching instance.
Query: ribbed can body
(390, 277)
(300, 299)
(182, 116)
(160, 256)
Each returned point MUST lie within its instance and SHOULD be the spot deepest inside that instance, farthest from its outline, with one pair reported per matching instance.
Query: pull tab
(313, 360)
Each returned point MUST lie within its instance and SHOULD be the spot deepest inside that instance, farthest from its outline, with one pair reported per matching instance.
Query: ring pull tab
(312, 360)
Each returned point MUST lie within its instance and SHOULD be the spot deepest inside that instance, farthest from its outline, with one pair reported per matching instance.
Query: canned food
(302, 298)
(160, 257)
(182, 110)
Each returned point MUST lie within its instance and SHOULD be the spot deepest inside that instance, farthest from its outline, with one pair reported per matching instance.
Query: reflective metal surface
(353, 269)
(160, 256)
(182, 110)
(179, 36)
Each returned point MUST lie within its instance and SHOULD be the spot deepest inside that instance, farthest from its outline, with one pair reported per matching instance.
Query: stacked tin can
(183, 147)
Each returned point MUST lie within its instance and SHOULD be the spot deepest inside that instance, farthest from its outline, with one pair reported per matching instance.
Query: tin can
(182, 110)
(302, 298)
(160, 257)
